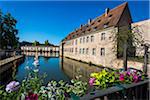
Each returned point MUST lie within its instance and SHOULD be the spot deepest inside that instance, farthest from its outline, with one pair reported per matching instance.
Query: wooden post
(62, 55)
(62, 49)
(125, 57)
(145, 58)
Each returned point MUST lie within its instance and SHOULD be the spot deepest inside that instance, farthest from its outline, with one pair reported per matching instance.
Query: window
(87, 50)
(76, 51)
(76, 41)
(106, 25)
(102, 36)
(92, 23)
(102, 52)
(83, 51)
(89, 30)
(95, 28)
(87, 39)
(73, 36)
(92, 38)
(99, 20)
(93, 51)
(83, 39)
(80, 50)
(80, 40)
(110, 15)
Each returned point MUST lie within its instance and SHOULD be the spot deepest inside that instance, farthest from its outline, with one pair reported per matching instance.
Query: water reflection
(55, 68)
(8, 71)
(74, 68)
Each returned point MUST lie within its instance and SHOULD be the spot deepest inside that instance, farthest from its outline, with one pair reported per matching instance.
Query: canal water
(55, 68)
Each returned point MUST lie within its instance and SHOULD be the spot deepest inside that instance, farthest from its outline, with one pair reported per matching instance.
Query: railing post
(145, 58)
(125, 57)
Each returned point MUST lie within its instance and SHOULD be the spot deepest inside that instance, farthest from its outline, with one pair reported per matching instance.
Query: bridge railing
(134, 91)
(9, 53)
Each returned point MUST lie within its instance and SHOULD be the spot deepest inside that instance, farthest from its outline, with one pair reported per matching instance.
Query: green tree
(46, 43)
(36, 43)
(8, 31)
(127, 35)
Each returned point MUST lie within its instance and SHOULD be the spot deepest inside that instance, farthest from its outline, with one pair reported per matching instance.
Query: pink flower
(135, 78)
(31, 96)
(128, 73)
(121, 78)
(91, 81)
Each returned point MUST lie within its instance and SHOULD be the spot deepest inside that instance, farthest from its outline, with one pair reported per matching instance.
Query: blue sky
(42, 20)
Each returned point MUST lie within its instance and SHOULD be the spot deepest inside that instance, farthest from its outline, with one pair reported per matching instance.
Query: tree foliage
(46, 43)
(127, 35)
(8, 31)
(36, 43)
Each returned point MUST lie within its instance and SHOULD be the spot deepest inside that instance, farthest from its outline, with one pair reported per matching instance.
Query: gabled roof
(98, 23)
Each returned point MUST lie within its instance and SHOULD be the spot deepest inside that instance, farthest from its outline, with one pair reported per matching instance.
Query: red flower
(121, 78)
(31, 96)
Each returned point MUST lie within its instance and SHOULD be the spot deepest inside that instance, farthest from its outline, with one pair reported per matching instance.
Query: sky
(54, 20)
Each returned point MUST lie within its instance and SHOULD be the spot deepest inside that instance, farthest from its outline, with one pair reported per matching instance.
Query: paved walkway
(7, 60)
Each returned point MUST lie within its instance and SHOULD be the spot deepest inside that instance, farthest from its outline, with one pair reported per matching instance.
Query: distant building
(40, 48)
(94, 41)
(144, 35)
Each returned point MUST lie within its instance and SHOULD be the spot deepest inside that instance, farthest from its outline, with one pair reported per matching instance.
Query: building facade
(95, 41)
(40, 48)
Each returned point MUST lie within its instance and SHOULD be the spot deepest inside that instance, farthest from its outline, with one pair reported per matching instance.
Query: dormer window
(92, 23)
(89, 29)
(110, 15)
(99, 20)
(95, 28)
(106, 25)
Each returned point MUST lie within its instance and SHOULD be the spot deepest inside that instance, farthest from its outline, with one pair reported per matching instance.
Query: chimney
(106, 12)
(89, 21)
(81, 26)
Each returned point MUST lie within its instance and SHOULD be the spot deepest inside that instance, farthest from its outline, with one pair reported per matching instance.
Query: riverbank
(7, 60)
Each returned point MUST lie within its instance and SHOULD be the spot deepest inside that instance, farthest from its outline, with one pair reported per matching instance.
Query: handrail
(110, 90)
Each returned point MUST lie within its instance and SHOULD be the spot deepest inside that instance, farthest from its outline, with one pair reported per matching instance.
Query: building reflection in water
(8, 72)
(74, 68)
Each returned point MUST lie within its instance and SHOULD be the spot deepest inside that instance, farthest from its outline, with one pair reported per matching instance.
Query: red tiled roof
(98, 23)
